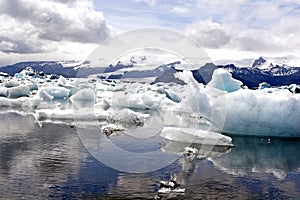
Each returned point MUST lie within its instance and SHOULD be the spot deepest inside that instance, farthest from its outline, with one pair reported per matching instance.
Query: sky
(72, 29)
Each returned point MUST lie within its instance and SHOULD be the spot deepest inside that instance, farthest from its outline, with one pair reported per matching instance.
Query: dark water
(52, 162)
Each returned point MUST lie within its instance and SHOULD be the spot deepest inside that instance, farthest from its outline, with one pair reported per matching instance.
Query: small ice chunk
(3, 92)
(62, 81)
(141, 100)
(223, 80)
(170, 186)
(263, 85)
(169, 190)
(127, 116)
(188, 151)
(191, 135)
(86, 94)
(169, 94)
(43, 95)
(56, 91)
(19, 91)
(110, 129)
(11, 83)
(5, 102)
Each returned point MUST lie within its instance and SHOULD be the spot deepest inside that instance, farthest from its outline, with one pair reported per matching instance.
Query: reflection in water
(203, 152)
(51, 161)
(33, 159)
(261, 155)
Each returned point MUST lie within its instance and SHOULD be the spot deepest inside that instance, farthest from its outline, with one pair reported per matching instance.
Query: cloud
(149, 2)
(30, 27)
(179, 10)
(209, 34)
(214, 35)
(246, 25)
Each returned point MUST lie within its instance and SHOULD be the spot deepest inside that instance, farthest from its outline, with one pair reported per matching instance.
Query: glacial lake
(53, 161)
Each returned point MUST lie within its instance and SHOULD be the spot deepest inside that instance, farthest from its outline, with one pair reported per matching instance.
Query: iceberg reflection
(261, 155)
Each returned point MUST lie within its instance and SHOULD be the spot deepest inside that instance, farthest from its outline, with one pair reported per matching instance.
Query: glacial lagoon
(51, 161)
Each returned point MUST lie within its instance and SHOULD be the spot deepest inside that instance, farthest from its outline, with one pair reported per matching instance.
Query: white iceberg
(3, 92)
(223, 80)
(11, 83)
(254, 112)
(264, 112)
(56, 91)
(19, 91)
(86, 94)
(191, 135)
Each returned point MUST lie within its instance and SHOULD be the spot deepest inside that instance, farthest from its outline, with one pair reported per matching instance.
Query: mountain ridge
(252, 76)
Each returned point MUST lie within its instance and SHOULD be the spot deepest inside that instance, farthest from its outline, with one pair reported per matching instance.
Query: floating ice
(126, 116)
(267, 111)
(19, 91)
(109, 129)
(3, 92)
(86, 94)
(223, 80)
(264, 85)
(21, 103)
(11, 83)
(69, 115)
(41, 94)
(190, 135)
(169, 94)
(56, 91)
(142, 100)
(254, 112)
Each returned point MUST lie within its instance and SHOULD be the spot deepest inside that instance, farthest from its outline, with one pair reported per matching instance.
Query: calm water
(52, 162)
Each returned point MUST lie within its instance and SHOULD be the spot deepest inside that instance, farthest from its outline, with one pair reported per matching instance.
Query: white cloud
(209, 34)
(179, 10)
(28, 26)
(149, 2)
(72, 27)
(262, 27)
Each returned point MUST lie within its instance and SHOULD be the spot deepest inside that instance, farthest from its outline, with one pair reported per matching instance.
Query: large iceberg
(263, 112)
(250, 112)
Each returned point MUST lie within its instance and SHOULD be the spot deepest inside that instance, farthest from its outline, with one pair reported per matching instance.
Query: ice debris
(170, 186)
(110, 129)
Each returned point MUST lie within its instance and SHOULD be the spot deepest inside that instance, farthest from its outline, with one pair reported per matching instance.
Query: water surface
(52, 162)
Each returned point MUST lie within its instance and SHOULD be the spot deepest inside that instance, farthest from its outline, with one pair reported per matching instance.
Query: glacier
(186, 112)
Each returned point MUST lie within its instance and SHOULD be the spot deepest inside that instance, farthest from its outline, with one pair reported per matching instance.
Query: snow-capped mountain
(150, 69)
(67, 69)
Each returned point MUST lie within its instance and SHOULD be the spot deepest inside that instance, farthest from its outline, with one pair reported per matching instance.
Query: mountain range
(260, 71)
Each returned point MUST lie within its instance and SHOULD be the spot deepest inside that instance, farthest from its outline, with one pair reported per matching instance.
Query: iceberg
(86, 94)
(191, 135)
(3, 92)
(56, 91)
(223, 80)
(11, 83)
(255, 112)
(263, 112)
(19, 91)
